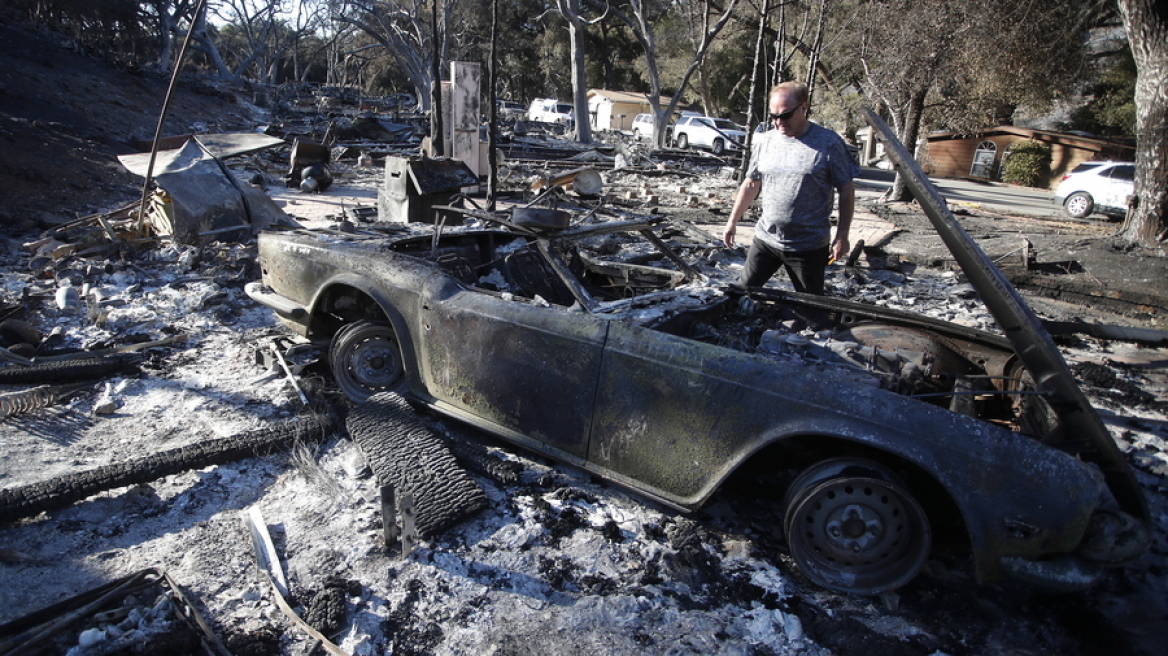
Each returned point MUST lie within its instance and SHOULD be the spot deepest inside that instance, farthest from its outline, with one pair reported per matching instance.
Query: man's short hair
(796, 89)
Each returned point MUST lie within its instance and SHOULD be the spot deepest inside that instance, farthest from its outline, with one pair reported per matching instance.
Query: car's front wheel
(366, 359)
(636, 135)
(682, 141)
(719, 146)
(853, 527)
(1079, 205)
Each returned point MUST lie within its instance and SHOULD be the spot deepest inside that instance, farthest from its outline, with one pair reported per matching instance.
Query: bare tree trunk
(570, 10)
(205, 43)
(909, 130)
(763, 16)
(166, 25)
(816, 47)
(641, 24)
(1147, 32)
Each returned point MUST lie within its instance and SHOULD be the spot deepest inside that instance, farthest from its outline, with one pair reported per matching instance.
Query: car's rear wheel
(636, 135)
(719, 146)
(1079, 205)
(682, 141)
(853, 527)
(366, 359)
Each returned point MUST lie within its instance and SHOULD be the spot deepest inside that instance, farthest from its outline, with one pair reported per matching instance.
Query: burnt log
(29, 500)
(65, 371)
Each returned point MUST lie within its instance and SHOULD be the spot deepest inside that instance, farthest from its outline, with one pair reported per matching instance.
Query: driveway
(989, 196)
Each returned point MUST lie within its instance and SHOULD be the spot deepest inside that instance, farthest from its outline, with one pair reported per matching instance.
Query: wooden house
(981, 155)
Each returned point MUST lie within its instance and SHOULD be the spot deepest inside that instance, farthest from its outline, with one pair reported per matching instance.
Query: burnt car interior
(933, 361)
(516, 264)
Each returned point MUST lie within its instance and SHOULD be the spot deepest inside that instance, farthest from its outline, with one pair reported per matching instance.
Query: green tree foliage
(1027, 164)
(1112, 108)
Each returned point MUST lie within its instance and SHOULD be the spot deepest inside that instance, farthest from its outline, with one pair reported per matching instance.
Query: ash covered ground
(558, 562)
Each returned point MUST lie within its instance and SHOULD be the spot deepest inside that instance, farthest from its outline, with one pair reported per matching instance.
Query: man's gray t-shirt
(799, 178)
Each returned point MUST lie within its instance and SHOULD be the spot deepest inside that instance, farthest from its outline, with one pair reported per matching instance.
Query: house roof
(626, 96)
(1076, 140)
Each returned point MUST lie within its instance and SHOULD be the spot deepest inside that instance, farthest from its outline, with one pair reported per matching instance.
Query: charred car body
(574, 344)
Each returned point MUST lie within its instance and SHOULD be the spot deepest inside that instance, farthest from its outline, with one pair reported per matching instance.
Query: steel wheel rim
(373, 362)
(858, 535)
(366, 360)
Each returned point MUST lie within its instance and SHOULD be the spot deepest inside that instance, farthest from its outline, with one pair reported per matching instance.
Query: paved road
(990, 196)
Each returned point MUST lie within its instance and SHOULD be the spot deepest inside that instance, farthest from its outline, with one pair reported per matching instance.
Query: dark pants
(805, 269)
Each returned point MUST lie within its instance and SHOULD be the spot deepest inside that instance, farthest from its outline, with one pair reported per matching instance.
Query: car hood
(1030, 340)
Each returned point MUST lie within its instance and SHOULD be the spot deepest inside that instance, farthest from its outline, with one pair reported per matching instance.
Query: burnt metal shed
(414, 185)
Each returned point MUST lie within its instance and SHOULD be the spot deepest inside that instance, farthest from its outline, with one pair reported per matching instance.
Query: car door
(1117, 186)
(523, 370)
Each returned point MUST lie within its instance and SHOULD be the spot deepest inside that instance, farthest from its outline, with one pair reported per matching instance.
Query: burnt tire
(1079, 205)
(407, 455)
(853, 527)
(479, 459)
(365, 359)
(29, 500)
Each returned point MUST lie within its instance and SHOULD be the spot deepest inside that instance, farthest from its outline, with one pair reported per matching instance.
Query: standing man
(798, 167)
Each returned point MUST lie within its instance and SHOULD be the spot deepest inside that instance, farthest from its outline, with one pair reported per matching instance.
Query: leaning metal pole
(182, 53)
(437, 130)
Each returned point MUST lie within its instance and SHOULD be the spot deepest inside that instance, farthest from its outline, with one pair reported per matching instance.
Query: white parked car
(717, 134)
(509, 109)
(1097, 187)
(643, 128)
(550, 110)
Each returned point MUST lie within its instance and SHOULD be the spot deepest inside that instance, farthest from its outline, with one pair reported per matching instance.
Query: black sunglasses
(784, 116)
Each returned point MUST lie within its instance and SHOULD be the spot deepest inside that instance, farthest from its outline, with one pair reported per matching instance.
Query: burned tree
(1146, 23)
(403, 29)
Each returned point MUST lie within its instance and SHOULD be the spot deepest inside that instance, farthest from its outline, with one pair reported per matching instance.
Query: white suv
(1101, 187)
(717, 134)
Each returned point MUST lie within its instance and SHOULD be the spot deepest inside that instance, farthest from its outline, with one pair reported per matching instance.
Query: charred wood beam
(29, 500)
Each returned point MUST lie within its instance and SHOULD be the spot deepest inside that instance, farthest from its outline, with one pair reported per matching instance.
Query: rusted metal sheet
(204, 202)
(223, 145)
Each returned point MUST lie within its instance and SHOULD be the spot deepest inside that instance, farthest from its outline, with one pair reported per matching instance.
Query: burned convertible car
(580, 345)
